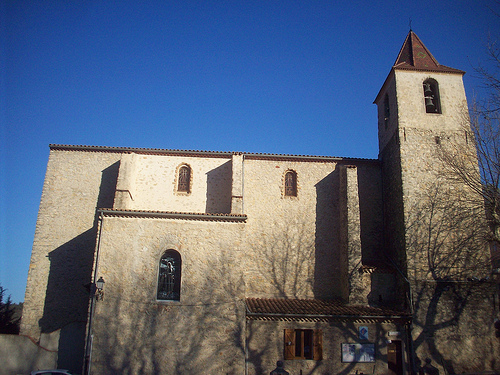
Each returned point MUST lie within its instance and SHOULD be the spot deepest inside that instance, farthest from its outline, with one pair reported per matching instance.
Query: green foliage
(9, 320)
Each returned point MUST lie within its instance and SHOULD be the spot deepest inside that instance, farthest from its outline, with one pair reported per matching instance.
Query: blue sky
(294, 77)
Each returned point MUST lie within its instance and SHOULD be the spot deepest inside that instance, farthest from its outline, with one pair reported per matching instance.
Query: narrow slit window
(184, 180)
(291, 184)
(387, 111)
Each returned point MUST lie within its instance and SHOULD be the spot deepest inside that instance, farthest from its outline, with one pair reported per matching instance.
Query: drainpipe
(93, 299)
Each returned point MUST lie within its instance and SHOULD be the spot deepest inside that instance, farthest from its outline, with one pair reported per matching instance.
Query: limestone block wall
(453, 326)
(369, 186)
(411, 104)
(20, 355)
(153, 184)
(293, 244)
(289, 240)
(413, 172)
(353, 288)
(437, 206)
(61, 261)
(125, 184)
(287, 247)
(237, 184)
(387, 117)
(201, 333)
(434, 224)
(80, 181)
(76, 183)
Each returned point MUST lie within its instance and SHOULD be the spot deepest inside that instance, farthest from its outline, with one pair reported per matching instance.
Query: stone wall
(435, 224)
(453, 326)
(149, 183)
(21, 355)
(288, 246)
(61, 262)
(200, 333)
(76, 183)
(265, 342)
(293, 244)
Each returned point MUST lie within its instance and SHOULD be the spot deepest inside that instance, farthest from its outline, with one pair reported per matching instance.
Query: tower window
(387, 111)
(169, 277)
(184, 179)
(291, 184)
(431, 96)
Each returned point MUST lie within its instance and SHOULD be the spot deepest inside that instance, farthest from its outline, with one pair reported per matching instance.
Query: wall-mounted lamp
(99, 289)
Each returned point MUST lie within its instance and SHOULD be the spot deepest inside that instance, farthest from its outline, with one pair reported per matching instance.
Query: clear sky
(293, 77)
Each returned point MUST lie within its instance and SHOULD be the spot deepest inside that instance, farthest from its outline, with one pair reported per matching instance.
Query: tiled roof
(273, 308)
(414, 55)
(212, 154)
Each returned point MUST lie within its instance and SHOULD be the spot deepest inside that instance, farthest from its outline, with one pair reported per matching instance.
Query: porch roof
(316, 309)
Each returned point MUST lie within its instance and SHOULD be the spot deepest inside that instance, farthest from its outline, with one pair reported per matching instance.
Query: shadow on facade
(219, 182)
(135, 335)
(67, 295)
(370, 212)
(350, 334)
(327, 269)
(448, 269)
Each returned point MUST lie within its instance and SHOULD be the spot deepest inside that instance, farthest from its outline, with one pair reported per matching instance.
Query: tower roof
(414, 55)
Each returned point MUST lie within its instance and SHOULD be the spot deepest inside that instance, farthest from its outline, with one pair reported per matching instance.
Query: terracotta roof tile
(414, 55)
(314, 307)
(213, 154)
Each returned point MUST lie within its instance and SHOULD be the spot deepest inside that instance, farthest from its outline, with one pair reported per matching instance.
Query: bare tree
(476, 163)
(448, 270)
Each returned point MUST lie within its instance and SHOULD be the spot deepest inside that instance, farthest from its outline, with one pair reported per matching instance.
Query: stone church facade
(224, 263)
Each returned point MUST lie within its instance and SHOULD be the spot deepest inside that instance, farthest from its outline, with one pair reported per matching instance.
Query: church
(159, 261)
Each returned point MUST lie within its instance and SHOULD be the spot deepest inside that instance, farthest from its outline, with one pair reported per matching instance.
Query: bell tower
(420, 105)
(435, 228)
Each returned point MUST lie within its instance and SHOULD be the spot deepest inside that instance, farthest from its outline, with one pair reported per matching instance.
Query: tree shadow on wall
(67, 298)
(219, 182)
(350, 334)
(448, 267)
(202, 334)
(283, 265)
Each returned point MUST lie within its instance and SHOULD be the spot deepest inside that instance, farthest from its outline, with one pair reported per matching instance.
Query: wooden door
(395, 358)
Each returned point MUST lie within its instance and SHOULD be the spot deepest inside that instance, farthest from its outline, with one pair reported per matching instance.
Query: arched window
(169, 276)
(290, 184)
(431, 96)
(184, 179)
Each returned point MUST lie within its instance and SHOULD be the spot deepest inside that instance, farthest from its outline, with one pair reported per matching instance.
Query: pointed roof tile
(414, 55)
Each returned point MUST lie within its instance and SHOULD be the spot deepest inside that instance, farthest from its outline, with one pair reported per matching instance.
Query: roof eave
(212, 154)
(328, 316)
